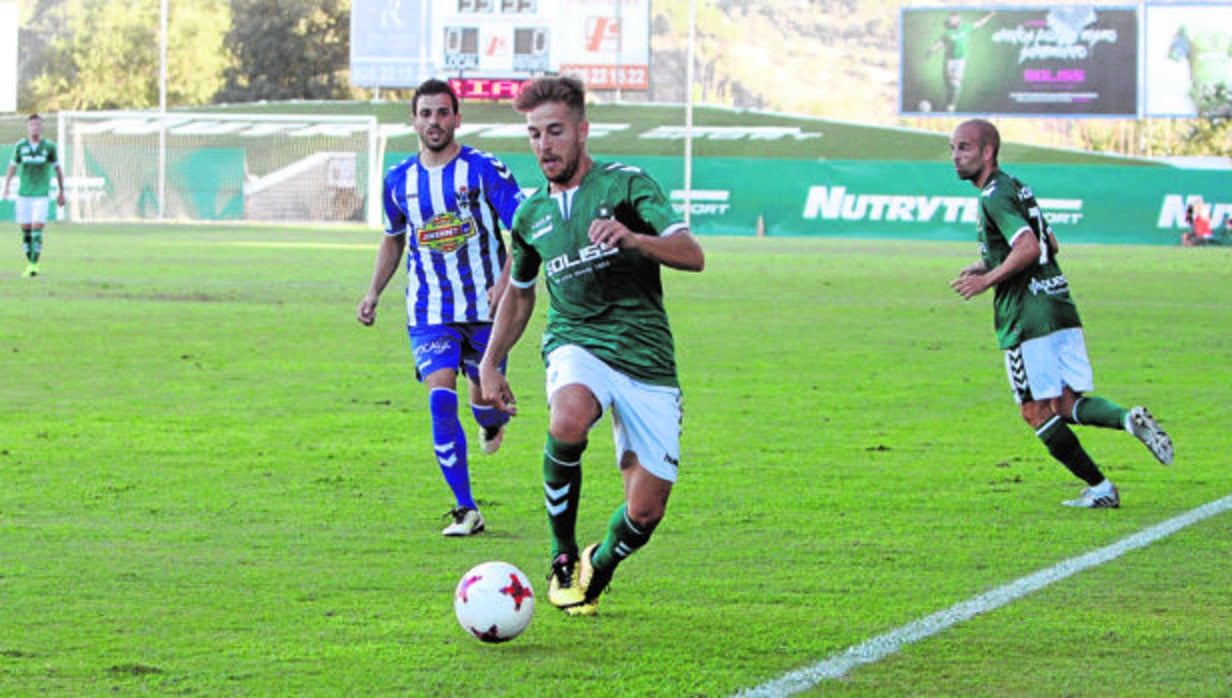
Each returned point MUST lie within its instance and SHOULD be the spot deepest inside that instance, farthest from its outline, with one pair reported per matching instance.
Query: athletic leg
(573, 409)
(646, 424)
(437, 352)
(35, 249)
(1036, 377)
(631, 524)
(448, 440)
(491, 421)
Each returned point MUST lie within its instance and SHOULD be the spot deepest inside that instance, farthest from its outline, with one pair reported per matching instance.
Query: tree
(288, 49)
(1210, 131)
(105, 54)
(46, 21)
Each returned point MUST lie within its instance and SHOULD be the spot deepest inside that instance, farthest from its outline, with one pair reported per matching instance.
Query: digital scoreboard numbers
(506, 7)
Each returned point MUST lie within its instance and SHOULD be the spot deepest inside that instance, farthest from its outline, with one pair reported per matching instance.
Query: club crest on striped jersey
(468, 199)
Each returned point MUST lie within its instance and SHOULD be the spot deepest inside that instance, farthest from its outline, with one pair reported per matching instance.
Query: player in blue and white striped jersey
(445, 208)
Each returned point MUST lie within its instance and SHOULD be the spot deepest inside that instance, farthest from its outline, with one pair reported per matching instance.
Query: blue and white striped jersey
(451, 216)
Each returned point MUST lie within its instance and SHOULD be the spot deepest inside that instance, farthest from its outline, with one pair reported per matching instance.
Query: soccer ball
(926, 105)
(494, 601)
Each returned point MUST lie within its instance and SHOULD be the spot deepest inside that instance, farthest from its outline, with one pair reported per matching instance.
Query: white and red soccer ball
(494, 601)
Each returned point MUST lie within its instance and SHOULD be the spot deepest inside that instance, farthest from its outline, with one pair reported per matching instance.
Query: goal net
(216, 167)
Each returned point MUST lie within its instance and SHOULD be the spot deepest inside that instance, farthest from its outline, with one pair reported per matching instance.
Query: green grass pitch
(215, 482)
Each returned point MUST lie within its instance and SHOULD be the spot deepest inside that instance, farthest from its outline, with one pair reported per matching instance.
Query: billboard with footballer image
(1187, 54)
(1072, 61)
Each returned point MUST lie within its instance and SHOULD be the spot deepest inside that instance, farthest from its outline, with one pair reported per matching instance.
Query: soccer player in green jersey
(954, 39)
(599, 233)
(37, 158)
(1036, 320)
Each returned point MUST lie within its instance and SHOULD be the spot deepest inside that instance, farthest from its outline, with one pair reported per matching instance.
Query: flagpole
(162, 112)
(688, 114)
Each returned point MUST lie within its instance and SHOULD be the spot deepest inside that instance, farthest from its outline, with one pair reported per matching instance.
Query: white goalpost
(217, 167)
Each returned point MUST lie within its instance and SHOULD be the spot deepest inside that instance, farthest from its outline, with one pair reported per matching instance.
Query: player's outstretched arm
(977, 267)
(512, 315)
(498, 289)
(60, 183)
(8, 178)
(387, 257)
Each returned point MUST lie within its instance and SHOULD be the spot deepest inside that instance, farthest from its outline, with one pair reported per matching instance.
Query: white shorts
(646, 418)
(954, 70)
(32, 210)
(1039, 369)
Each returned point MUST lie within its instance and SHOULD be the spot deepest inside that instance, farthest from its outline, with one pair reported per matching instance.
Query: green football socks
(32, 243)
(1064, 446)
(1098, 412)
(623, 539)
(562, 487)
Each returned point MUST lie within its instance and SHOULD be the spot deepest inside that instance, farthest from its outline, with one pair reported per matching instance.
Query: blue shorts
(458, 347)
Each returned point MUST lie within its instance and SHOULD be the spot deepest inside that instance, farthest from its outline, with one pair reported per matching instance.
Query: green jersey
(1035, 302)
(606, 300)
(35, 163)
(955, 40)
(1209, 53)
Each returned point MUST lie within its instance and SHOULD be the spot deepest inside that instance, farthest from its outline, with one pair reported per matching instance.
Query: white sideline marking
(882, 646)
(305, 245)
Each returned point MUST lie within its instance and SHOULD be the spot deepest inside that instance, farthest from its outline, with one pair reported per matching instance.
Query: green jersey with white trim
(1209, 52)
(955, 40)
(35, 163)
(606, 300)
(1036, 301)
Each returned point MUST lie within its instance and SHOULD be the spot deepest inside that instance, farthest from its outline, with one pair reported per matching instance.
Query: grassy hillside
(835, 59)
(840, 59)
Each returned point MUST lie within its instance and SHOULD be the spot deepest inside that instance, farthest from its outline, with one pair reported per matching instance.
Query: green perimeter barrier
(914, 200)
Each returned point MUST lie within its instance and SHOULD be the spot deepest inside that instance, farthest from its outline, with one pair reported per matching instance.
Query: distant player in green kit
(37, 158)
(599, 233)
(954, 40)
(1036, 320)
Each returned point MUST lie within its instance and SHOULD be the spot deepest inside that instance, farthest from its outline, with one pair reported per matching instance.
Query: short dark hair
(989, 135)
(34, 116)
(432, 86)
(555, 88)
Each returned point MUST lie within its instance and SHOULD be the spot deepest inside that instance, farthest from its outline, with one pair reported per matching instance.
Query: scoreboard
(606, 43)
(495, 36)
